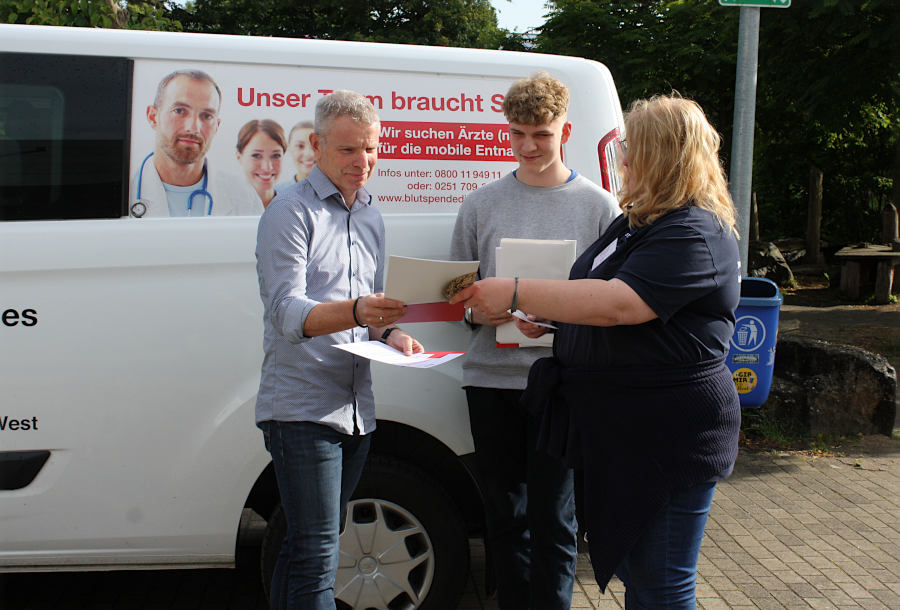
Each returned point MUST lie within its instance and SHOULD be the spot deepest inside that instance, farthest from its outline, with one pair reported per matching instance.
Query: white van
(130, 348)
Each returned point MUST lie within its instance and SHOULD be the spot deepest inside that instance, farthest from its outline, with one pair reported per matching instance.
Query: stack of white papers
(549, 259)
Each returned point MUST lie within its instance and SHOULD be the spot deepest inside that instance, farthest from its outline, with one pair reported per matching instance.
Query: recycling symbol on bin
(749, 333)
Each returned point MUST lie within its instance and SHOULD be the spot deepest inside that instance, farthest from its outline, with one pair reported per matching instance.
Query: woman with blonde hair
(637, 393)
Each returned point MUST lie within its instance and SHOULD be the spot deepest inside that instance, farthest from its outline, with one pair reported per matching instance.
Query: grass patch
(762, 431)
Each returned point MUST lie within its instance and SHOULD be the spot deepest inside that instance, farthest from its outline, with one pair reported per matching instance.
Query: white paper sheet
(524, 316)
(380, 352)
(549, 259)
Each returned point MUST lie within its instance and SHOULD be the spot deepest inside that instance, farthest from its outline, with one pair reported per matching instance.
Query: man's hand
(402, 341)
(378, 310)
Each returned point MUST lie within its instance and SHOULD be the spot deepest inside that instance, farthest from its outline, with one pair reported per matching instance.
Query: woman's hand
(532, 331)
(491, 296)
(485, 320)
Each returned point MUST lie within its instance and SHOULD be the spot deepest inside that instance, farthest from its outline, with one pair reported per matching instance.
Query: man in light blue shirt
(320, 260)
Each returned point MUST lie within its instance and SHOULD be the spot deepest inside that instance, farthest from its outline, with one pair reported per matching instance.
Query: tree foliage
(135, 14)
(827, 96)
(468, 23)
(829, 85)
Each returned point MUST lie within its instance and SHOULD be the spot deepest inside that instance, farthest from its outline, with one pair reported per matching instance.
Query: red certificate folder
(434, 312)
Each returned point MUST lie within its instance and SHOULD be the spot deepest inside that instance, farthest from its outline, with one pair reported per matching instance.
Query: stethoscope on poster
(139, 208)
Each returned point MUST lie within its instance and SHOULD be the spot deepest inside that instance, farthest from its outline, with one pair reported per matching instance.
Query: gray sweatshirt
(578, 209)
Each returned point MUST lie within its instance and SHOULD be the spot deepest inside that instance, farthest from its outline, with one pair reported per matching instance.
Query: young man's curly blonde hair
(673, 160)
(536, 100)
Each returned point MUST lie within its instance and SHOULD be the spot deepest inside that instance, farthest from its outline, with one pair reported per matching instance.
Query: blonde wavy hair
(672, 155)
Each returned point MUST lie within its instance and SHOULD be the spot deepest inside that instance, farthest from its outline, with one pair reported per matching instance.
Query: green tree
(828, 91)
(135, 14)
(829, 85)
(468, 23)
(652, 46)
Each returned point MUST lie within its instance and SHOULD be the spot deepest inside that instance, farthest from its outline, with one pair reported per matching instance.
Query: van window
(63, 128)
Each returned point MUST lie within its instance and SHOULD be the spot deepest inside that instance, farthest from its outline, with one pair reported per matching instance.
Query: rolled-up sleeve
(281, 261)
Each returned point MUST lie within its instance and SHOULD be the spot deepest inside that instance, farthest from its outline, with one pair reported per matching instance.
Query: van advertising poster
(442, 136)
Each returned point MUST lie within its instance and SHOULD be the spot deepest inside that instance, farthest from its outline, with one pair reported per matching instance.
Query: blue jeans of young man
(660, 571)
(317, 470)
(529, 504)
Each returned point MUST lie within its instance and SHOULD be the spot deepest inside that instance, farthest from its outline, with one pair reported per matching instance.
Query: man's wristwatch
(468, 315)
(386, 333)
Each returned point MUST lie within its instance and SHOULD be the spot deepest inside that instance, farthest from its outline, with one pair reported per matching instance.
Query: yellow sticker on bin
(744, 380)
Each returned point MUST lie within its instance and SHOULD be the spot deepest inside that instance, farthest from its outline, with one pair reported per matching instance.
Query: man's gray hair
(343, 103)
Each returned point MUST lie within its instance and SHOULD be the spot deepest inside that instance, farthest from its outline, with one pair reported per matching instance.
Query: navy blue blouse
(686, 267)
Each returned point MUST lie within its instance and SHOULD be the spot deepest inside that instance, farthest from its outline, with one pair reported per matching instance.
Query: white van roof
(140, 44)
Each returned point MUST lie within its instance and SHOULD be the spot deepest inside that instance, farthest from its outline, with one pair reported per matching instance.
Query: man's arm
(374, 310)
(282, 254)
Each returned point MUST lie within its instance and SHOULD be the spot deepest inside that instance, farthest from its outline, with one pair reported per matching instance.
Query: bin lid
(760, 292)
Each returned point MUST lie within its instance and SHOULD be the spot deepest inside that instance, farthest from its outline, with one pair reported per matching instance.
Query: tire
(403, 546)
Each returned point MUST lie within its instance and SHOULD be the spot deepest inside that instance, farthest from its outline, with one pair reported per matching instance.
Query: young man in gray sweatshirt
(529, 496)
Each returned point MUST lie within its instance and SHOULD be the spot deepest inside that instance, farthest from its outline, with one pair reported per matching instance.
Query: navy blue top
(645, 409)
(686, 267)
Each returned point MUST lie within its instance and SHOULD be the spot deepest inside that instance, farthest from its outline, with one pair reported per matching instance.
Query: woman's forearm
(590, 302)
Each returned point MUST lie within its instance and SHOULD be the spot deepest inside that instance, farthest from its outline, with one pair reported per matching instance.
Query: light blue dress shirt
(311, 249)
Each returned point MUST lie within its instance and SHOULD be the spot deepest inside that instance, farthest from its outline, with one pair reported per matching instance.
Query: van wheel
(403, 545)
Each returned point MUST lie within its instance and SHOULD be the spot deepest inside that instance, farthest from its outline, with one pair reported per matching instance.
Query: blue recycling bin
(751, 352)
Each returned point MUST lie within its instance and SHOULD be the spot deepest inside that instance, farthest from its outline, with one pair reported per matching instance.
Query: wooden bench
(882, 257)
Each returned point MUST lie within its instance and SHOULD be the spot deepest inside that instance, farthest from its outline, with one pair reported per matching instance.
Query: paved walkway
(785, 531)
(788, 531)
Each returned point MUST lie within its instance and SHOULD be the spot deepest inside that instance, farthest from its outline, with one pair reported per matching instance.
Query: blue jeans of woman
(317, 469)
(529, 504)
(660, 571)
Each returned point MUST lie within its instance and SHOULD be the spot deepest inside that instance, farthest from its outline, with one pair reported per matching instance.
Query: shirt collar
(325, 188)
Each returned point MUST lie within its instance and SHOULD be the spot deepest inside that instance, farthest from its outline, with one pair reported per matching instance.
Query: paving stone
(713, 604)
(855, 590)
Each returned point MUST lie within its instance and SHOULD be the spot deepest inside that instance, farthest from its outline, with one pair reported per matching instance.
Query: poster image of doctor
(176, 178)
(442, 136)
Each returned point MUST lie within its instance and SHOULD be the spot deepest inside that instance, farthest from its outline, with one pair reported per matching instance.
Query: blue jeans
(317, 470)
(529, 504)
(660, 571)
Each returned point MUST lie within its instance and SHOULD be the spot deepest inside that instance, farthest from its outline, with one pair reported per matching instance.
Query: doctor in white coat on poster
(176, 178)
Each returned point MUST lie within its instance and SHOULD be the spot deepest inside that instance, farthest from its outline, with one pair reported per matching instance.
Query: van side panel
(130, 348)
(143, 394)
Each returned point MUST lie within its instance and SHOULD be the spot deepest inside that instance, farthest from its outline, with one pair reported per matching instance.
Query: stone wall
(825, 388)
